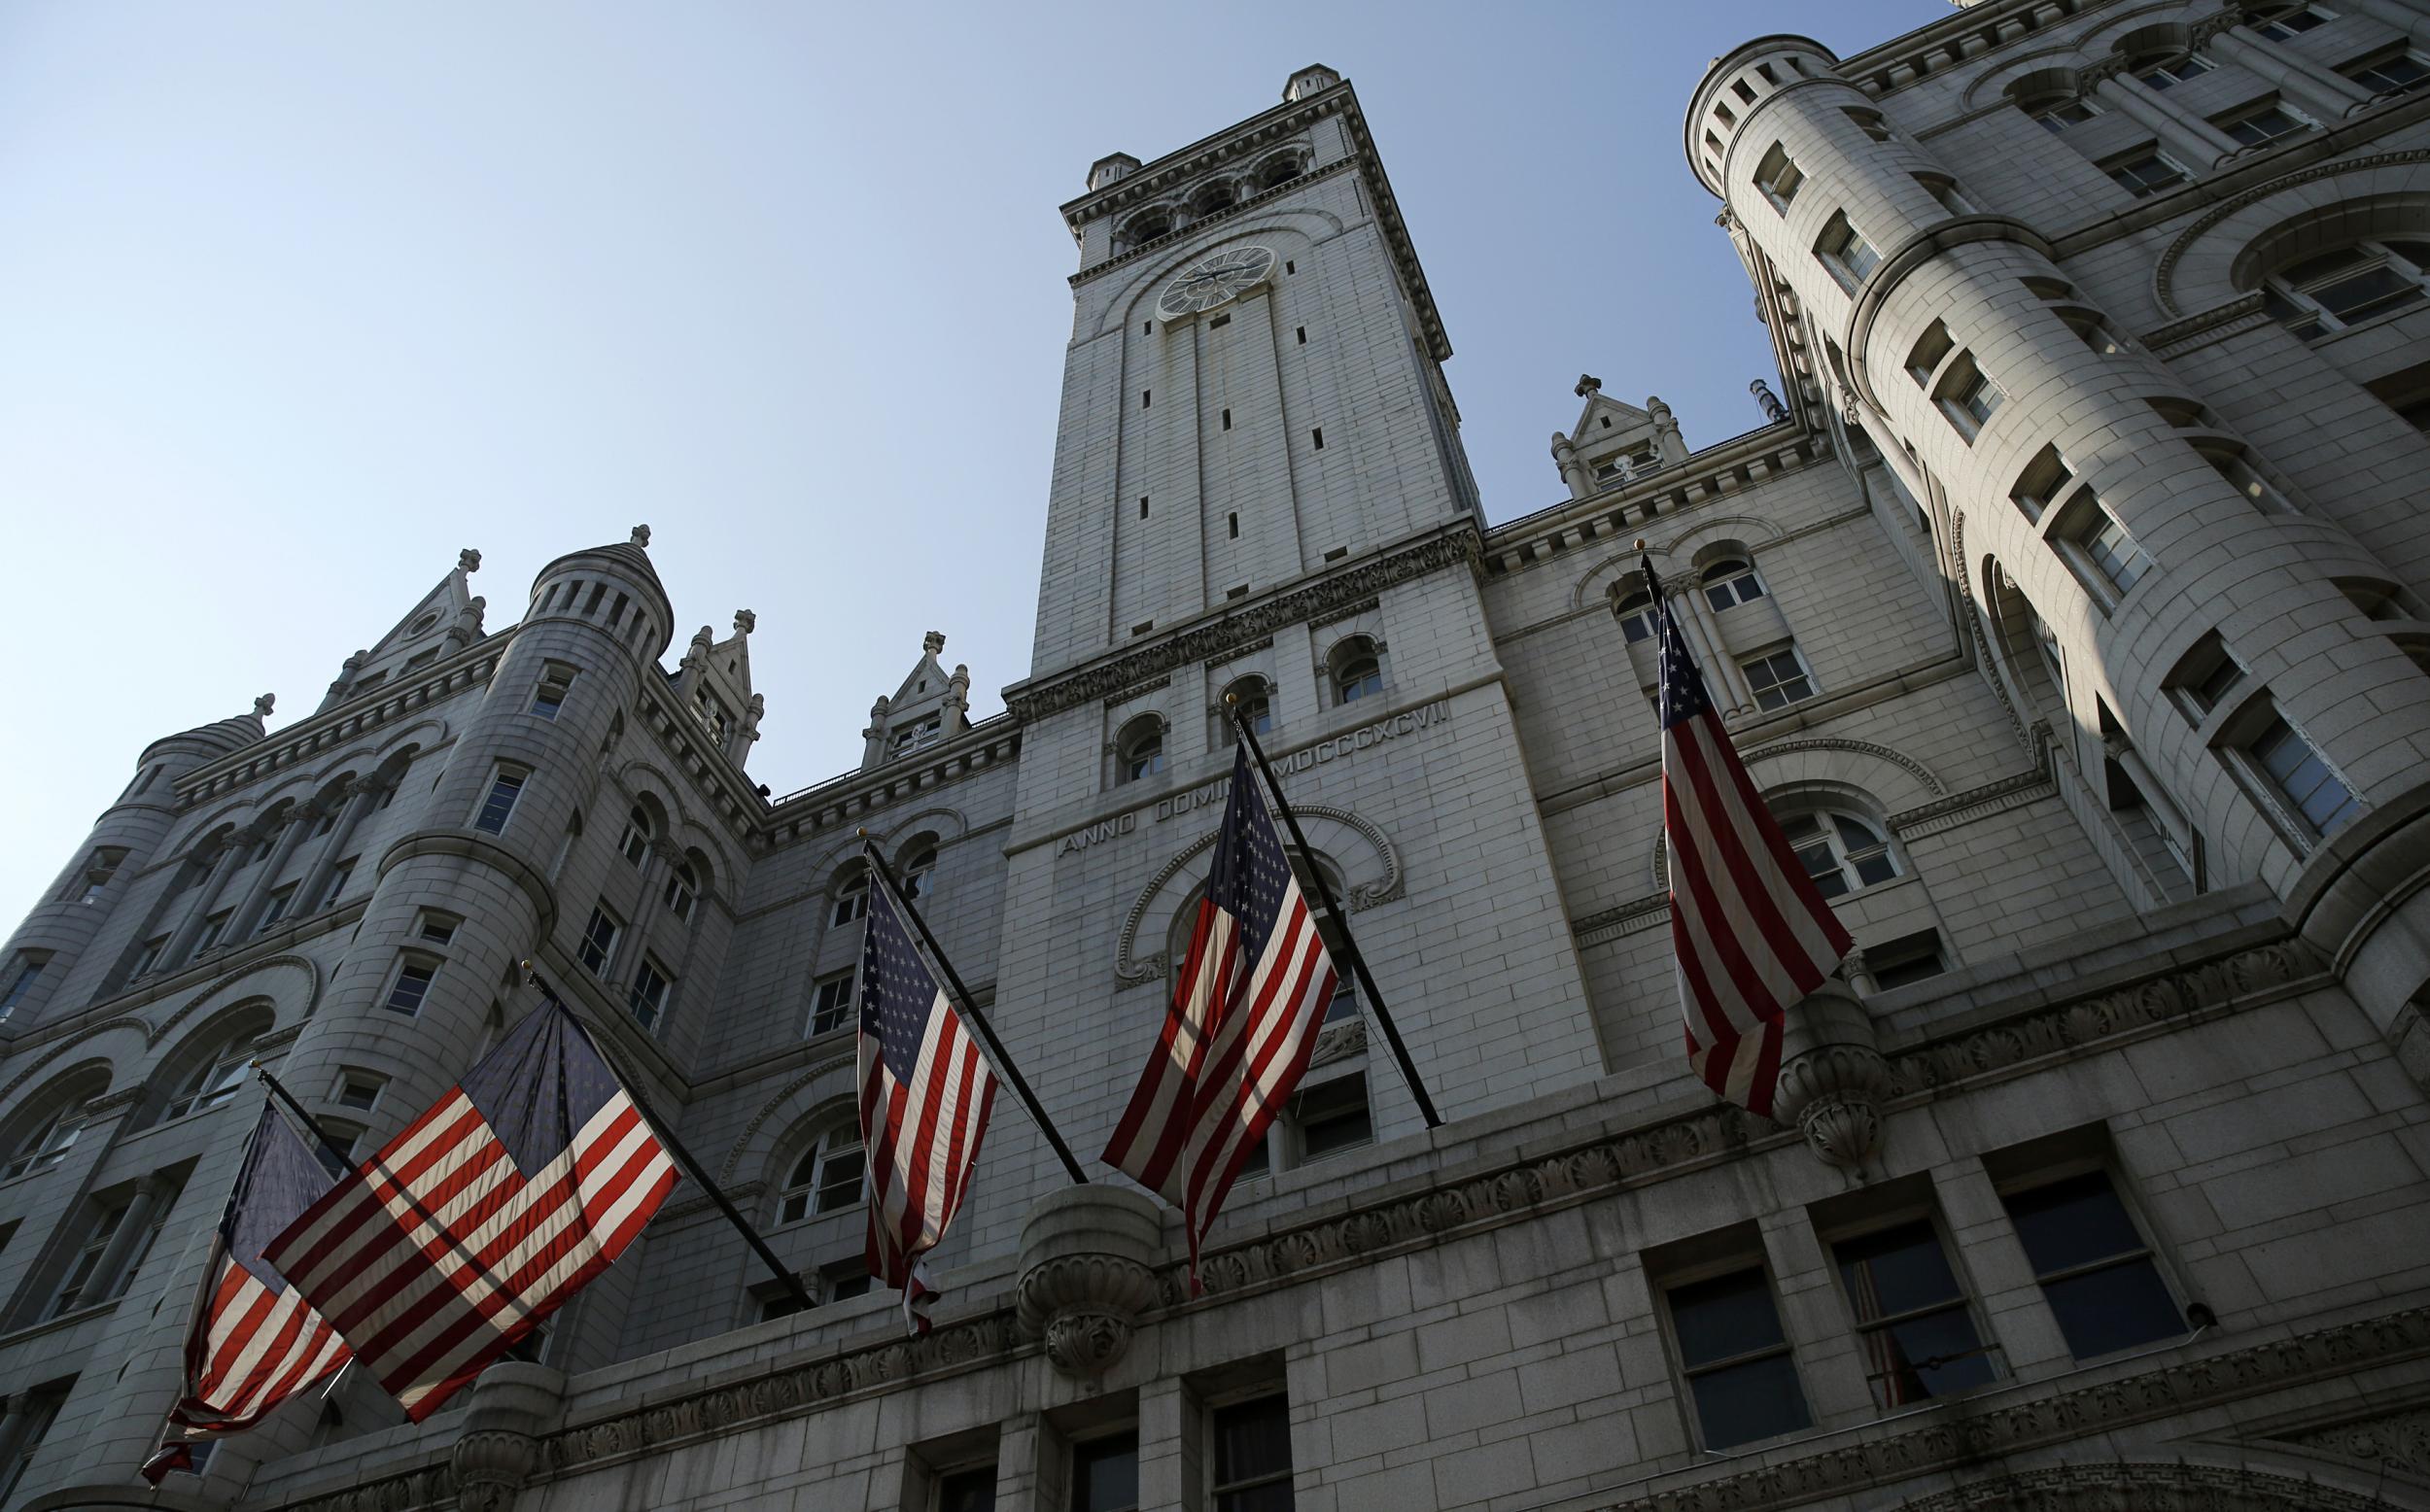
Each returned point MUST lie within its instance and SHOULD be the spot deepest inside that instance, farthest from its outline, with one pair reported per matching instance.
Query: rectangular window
(971, 1490)
(338, 879)
(276, 909)
(647, 996)
(1912, 958)
(1924, 358)
(2094, 332)
(1968, 397)
(1736, 1359)
(2167, 76)
(1945, 194)
(599, 941)
(1777, 678)
(21, 979)
(435, 928)
(1915, 1326)
(41, 1411)
(2102, 547)
(1778, 178)
(1333, 1117)
(1252, 1456)
(2041, 483)
(2145, 173)
(149, 956)
(2400, 72)
(79, 1288)
(1843, 253)
(1105, 1474)
(831, 1005)
(555, 687)
(2240, 474)
(841, 1178)
(2303, 18)
(1302, 332)
(212, 928)
(2266, 124)
(2058, 117)
(2295, 769)
(411, 986)
(504, 790)
(358, 1090)
(1868, 121)
(2092, 1265)
(2203, 677)
(1318, 436)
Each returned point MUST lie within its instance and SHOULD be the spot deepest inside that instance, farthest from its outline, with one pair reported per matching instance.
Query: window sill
(60, 1323)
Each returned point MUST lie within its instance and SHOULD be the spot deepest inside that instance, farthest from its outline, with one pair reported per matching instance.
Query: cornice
(852, 795)
(1451, 545)
(469, 668)
(2164, 270)
(714, 778)
(1198, 223)
(1913, 253)
(1783, 447)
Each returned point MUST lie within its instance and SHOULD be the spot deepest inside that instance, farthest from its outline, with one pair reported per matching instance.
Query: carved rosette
(1087, 1258)
(1832, 1081)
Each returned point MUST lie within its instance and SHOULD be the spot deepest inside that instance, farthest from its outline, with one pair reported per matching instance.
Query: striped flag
(1749, 932)
(254, 1341)
(924, 1095)
(485, 1215)
(1251, 996)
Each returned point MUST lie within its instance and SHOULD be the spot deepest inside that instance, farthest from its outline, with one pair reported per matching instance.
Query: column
(207, 893)
(141, 1210)
(18, 1422)
(2398, 14)
(1722, 680)
(2198, 142)
(1572, 472)
(2317, 88)
(361, 795)
(257, 896)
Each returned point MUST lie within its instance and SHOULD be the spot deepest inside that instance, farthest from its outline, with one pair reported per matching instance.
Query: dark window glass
(2094, 1266)
(1105, 1474)
(500, 801)
(413, 982)
(1917, 1338)
(1253, 1456)
(967, 1490)
(1737, 1367)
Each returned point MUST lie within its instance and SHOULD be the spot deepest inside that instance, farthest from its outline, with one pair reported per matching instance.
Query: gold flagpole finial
(1640, 543)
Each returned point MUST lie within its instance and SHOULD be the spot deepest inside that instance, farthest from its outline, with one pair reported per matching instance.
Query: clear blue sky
(298, 300)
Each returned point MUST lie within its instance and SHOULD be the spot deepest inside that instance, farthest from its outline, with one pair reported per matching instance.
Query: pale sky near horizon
(297, 301)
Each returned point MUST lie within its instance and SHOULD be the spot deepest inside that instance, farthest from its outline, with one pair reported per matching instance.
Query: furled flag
(485, 1215)
(1251, 996)
(1749, 932)
(924, 1095)
(253, 1341)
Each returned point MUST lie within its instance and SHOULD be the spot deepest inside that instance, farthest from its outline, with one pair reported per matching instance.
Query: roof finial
(933, 641)
(744, 621)
(263, 705)
(641, 536)
(1588, 383)
(467, 561)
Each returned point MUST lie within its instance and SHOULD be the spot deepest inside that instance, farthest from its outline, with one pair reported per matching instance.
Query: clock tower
(1260, 494)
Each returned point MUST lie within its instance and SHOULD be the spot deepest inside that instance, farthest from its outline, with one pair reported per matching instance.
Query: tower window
(683, 887)
(500, 802)
(852, 898)
(556, 683)
(1143, 507)
(411, 986)
(2295, 769)
(1219, 322)
(1252, 1469)
(1843, 253)
(2041, 482)
(1915, 1329)
(2203, 677)
(1147, 397)
(1302, 333)
(2101, 550)
(1778, 178)
(1968, 397)
(1289, 267)
(1231, 523)
(1227, 419)
(1105, 1473)
(1925, 356)
(21, 983)
(1358, 670)
(1317, 435)
(1636, 616)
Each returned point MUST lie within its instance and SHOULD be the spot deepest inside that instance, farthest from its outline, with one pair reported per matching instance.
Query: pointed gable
(446, 620)
(715, 683)
(1615, 441)
(931, 704)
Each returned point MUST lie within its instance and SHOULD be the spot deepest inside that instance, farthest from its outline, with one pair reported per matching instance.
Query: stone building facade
(2069, 606)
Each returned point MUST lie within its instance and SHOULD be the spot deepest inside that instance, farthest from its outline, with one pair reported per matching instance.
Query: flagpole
(675, 1147)
(970, 1010)
(335, 1150)
(1342, 922)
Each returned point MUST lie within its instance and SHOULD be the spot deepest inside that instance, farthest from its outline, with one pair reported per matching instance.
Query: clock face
(1221, 277)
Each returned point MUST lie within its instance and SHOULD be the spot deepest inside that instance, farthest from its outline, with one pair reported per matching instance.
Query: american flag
(1251, 996)
(924, 1095)
(1749, 930)
(485, 1215)
(254, 1341)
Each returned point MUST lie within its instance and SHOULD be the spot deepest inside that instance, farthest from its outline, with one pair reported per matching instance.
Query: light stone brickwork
(2107, 939)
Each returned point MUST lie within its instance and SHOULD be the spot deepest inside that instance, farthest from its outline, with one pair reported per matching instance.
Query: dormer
(447, 619)
(933, 705)
(1315, 79)
(713, 684)
(1613, 442)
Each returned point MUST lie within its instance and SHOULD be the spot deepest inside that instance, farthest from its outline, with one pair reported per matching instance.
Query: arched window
(1214, 200)
(1140, 753)
(636, 835)
(2326, 292)
(1732, 582)
(1358, 669)
(1277, 170)
(1147, 228)
(682, 887)
(826, 1179)
(919, 869)
(47, 1141)
(1345, 1002)
(852, 895)
(1635, 614)
(1842, 852)
(216, 1080)
(1254, 700)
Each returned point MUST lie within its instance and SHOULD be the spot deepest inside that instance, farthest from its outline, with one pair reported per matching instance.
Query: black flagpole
(970, 1010)
(336, 1151)
(1341, 923)
(674, 1146)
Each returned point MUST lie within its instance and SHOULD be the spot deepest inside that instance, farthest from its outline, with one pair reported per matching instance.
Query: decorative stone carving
(467, 561)
(1338, 1042)
(2399, 1441)
(1833, 1080)
(513, 1402)
(932, 643)
(1774, 411)
(1087, 1273)
(263, 705)
(744, 622)
(640, 536)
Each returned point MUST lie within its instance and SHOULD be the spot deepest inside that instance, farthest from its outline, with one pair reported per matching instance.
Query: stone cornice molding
(215, 980)
(469, 668)
(469, 846)
(2221, 320)
(716, 780)
(1198, 223)
(2164, 268)
(1455, 545)
(848, 797)
(1903, 259)
(1781, 448)
(1978, 803)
